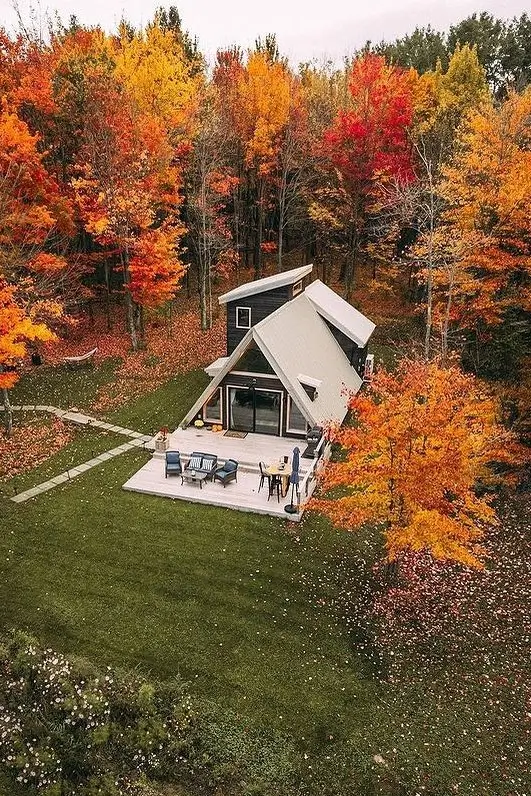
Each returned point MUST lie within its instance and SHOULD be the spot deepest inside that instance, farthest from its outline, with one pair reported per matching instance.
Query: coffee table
(198, 477)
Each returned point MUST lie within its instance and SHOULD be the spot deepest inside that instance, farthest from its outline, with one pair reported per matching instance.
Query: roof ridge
(266, 283)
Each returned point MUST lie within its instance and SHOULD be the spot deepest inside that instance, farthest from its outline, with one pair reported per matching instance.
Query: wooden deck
(248, 451)
(243, 494)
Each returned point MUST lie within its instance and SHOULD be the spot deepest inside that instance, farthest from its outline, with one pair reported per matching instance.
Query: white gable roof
(267, 283)
(295, 338)
(340, 313)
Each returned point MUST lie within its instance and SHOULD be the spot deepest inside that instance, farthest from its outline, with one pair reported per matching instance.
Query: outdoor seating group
(201, 467)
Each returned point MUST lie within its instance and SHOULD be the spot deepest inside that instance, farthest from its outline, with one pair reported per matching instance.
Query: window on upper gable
(243, 317)
(297, 288)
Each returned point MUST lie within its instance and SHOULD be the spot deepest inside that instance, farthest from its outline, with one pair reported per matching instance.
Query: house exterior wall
(262, 382)
(261, 305)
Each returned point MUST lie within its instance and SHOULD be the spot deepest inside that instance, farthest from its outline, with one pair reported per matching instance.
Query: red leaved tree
(367, 145)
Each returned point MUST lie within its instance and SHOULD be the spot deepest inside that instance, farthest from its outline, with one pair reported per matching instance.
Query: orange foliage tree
(419, 443)
(33, 218)
(261, 114)
(128, 193)
(32, 211)
(488, 190)
(16, 329)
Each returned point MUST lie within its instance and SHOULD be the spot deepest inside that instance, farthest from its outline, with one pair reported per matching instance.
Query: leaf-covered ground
(31, 444)
(258, 616)
(171, 347)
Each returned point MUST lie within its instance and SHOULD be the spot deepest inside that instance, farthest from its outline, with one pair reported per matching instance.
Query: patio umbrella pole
(291, 508)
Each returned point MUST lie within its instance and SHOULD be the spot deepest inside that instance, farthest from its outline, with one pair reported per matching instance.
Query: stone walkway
(137, 440)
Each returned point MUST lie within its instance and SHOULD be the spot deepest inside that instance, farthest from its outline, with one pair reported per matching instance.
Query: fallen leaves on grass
(86, 335)
(174, 349)
(31, 445)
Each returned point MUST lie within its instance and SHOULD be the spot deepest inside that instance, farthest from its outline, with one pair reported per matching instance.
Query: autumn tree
(263, 96)
(367, 144)
(210, 184)
(488, 190)
(441, 101)
(487, 36)
(35, 224)
(293, 167)
(442, 98)
(140, 108)
(226, 78)
(16, 329)
(417, 447)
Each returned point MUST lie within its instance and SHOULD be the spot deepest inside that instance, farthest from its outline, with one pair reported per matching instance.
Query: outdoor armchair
(227, 473)
(173, 463)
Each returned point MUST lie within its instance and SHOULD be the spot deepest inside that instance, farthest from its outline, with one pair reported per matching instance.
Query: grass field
(236, 603)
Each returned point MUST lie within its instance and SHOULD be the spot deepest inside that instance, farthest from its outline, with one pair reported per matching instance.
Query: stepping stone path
(137, 440)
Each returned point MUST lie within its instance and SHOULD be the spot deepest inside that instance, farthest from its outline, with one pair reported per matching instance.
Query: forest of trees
(125, 161)
(127, 164)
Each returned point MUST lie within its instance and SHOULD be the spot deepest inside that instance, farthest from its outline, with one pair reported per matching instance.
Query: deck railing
(322, 454)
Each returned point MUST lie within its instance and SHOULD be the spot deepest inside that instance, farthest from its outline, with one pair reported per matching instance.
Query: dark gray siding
(262, 305)
(264, 382)
(305, 282)
(356, 356)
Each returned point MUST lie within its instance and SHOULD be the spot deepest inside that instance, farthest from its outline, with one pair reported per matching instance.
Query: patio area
(243, 494)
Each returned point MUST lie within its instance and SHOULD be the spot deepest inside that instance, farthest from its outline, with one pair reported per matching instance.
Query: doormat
(237, 434)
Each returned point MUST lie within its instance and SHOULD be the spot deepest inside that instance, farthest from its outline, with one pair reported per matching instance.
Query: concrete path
(137, 440)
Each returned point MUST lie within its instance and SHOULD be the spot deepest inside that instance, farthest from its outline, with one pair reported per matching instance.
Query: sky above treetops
(305, 29)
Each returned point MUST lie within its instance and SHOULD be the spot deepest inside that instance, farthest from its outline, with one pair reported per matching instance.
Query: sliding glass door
(253, 410)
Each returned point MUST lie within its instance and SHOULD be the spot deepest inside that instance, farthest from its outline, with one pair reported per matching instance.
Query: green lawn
(225, 598)
(165, 406)
(63, 387)
(235, 602)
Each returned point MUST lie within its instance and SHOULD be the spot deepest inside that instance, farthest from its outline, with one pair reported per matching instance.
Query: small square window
(243, 317)
(297, 288)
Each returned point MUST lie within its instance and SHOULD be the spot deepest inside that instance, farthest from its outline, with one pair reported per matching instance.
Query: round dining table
(284, 471)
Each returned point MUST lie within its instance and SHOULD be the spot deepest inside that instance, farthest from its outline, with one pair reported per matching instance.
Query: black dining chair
(275, 485)
(264, 476)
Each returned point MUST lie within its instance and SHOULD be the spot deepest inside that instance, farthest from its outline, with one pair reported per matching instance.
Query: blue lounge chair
(227, 473)
(173, 463)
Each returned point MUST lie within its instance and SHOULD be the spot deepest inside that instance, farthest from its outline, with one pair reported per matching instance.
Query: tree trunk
(203, 261)
(349, 266)
(107, 273)
(446, 320)
(134, 311)
(259, 232)
(8, 412)
(429, 286)
(203, 299)
(130, 309)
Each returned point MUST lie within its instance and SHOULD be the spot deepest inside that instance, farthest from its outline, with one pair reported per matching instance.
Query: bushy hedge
(67, 729)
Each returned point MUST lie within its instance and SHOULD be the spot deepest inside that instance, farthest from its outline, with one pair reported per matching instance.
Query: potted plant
(162, 440)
